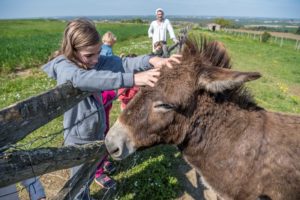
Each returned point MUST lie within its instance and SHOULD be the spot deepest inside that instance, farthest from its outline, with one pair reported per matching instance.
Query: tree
(265, 36)
(298, 30)
(223, 22)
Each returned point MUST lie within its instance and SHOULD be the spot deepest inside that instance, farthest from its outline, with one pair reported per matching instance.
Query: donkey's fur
(241, 150)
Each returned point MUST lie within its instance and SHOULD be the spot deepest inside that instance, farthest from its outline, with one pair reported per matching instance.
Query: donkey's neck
(217, 127)
(212, 124)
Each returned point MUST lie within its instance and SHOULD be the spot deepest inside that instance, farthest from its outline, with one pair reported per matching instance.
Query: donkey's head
(165, 113)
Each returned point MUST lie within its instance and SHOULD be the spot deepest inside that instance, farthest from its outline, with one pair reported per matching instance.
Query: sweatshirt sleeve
(92, 80)
(110, 72)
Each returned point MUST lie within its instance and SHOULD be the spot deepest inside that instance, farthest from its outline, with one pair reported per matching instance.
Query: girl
(78, 61)
(105, 167)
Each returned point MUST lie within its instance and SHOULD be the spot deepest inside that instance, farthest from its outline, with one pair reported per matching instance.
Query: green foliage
(136, 21)
(273, 29)
(225, 23)
(265, 37)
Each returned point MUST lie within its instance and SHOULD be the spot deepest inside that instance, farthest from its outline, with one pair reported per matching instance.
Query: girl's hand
(158, 62)
(148, 77)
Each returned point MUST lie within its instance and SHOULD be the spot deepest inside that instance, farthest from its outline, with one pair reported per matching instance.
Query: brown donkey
(240, 150)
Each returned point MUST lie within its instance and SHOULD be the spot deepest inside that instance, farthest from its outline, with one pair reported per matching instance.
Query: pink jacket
(126, 96)
(107, 97)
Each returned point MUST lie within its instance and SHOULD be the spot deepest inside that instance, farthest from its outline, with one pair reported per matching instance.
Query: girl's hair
(79, 33)
(109, 37)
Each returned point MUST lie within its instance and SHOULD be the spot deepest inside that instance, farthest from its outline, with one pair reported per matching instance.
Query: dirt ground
(193, 188)
(52, 183)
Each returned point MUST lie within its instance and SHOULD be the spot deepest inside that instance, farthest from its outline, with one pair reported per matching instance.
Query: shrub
(224, 23)
(298, 31)
(265, 37)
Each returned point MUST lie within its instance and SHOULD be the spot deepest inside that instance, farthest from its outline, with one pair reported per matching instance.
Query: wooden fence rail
(20, 119)
(20, 165)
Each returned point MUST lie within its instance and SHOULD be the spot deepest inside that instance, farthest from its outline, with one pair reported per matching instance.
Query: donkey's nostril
(115, 151)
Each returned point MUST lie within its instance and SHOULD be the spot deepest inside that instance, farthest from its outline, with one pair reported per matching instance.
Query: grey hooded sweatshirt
(85, 122)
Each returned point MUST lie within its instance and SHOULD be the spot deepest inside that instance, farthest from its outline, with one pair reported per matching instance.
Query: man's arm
(171, 31)
(150, 30)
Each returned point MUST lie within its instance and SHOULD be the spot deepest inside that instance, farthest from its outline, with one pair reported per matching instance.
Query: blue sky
(53, 8)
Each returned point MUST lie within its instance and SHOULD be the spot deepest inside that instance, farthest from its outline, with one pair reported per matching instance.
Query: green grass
(150, 174)
(28, 43)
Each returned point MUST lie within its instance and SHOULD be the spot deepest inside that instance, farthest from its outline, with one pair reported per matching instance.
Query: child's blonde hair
(79, 33)
(109, 37)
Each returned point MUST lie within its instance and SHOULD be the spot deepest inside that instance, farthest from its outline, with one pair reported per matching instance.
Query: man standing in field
(158, 29)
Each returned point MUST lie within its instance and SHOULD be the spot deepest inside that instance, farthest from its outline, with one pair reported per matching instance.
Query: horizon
(30, 9)
(151, 16)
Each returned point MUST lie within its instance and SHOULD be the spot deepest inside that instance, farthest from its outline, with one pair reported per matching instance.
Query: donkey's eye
(160, 106)
(164, 105)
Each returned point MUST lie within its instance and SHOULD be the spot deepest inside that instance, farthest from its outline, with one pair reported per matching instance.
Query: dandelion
(282, 87)
(18, 96)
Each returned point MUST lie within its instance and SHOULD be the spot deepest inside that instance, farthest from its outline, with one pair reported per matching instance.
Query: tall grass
(28, 43)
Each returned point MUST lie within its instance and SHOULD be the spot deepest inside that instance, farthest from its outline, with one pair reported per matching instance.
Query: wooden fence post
(260, 38)
(296, 46)
(281, 42)
(73, 185)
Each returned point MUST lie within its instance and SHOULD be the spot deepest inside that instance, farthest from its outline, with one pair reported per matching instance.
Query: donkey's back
(264, 160)
(279, 167)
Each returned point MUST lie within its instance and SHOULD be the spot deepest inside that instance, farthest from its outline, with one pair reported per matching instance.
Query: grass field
(152, 174)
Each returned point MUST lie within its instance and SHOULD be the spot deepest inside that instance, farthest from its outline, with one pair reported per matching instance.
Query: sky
(11, 9)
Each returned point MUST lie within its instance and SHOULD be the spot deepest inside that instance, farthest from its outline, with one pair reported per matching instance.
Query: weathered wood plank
(20, 165)
(73, 185)
(20, 119)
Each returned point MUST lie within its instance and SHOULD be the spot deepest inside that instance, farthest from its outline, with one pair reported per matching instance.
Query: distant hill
(200, 19)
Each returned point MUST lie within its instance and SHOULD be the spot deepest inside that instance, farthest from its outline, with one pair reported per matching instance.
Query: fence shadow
(144, 181)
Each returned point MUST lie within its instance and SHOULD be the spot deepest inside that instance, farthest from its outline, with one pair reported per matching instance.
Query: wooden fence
(20, 119)
(277, 38)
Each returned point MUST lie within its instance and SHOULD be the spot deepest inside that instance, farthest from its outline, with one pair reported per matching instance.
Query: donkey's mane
(199, 51)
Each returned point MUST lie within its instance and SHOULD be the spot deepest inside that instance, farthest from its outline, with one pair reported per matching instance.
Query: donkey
(240, 150)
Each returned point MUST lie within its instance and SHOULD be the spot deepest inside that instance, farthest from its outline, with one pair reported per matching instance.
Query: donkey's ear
(216, 79)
